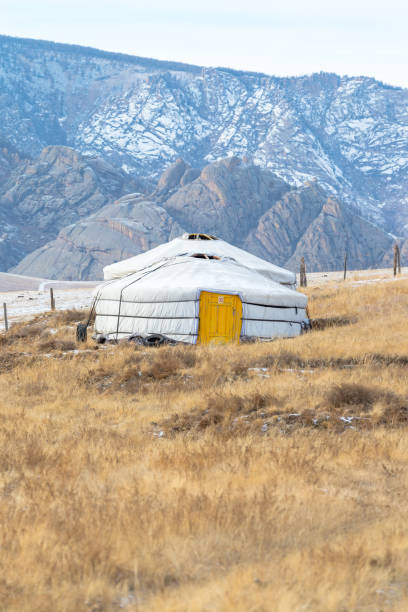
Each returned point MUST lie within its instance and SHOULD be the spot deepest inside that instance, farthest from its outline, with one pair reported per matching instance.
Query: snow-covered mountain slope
(349, 133)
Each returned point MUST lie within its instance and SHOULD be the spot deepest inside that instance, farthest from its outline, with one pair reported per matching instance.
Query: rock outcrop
(282, 226)
(235, 200)
(125, 228)
(39, 197)
(226, 199)
(308, 223)
(336, 231)
(176, 175)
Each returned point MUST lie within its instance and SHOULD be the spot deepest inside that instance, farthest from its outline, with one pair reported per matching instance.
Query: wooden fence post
(303, 278)
(5, 316)
(345, 266)
(397, 260)
(52, 298)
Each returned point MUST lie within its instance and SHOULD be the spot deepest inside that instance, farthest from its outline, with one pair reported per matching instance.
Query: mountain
(127, 227)
(140, 115)
(104, 155)
(281, 224)
(306, 222)
(39, 197)
(226, 199)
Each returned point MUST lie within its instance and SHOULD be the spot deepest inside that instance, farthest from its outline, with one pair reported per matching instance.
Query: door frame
(217, 291)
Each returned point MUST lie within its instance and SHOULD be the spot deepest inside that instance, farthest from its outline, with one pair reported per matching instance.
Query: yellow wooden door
(220, 318)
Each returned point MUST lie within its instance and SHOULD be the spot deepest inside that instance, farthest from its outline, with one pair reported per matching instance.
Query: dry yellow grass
(257, 477)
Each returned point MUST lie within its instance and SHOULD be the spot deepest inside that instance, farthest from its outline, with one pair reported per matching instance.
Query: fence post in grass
(397, 260)
(303, 279)
(5, 316)
(345, 266)
(52, 298)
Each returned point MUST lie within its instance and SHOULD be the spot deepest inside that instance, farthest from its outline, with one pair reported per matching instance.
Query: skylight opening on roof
(199, 237)
(205, 256)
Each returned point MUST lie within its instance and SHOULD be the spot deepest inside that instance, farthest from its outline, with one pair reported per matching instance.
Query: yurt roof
(190, 244)
(182, 278)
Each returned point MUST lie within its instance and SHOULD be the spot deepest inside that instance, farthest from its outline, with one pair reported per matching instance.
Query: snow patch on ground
(25, 304)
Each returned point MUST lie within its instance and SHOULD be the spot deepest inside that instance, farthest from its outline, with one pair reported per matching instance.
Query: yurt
(191, 244)
(198, 291)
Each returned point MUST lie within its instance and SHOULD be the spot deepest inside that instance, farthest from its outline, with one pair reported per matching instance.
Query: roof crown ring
(195, 236)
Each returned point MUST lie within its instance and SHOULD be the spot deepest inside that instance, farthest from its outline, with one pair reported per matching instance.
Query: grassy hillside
(256, 477)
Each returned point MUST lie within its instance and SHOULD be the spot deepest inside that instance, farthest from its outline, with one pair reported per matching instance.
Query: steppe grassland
(254, 477)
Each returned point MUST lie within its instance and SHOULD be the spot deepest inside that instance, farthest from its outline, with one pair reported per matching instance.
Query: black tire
(154, 340)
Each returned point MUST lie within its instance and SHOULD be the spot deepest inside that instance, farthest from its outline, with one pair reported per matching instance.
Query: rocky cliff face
(226, 199)
(125, 228)
(39, 197)
(307, 222)
(232, 199)
(335, 231)
(282, 226)
(139, 114)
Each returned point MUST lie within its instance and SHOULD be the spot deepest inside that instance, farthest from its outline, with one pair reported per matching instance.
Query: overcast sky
(289, 37)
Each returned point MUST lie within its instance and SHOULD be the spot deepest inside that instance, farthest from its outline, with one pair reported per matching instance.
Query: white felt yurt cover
(164, 299)
(185, 246)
